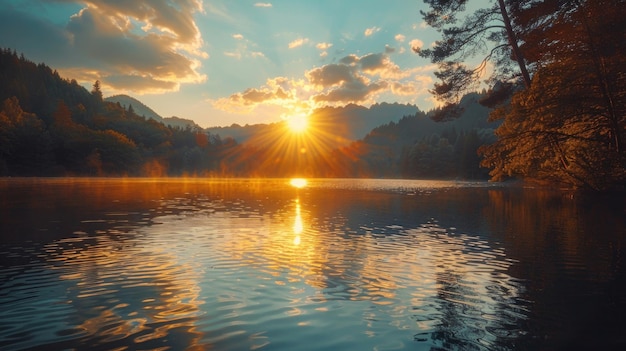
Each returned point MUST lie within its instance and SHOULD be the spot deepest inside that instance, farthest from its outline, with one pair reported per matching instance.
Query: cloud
(323, 46)
(263, 4)
(352, 79)
(243, 49)
(141, 46)
(416, 45)
(380, 64)
(400, 38)
(330, 75)
(298, 42)
(234, 54)
(370, 31)
(357, 90)
(278, 91)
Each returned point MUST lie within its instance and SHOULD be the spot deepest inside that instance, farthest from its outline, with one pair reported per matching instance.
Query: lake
(337, 264)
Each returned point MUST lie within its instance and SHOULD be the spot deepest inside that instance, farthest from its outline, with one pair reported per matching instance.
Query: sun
(297, 123)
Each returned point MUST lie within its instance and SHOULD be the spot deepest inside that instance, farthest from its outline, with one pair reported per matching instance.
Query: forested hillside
(418, 147)
(51, 126)
(140, 109)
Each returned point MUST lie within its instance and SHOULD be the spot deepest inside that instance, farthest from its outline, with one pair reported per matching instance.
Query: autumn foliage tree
(569, 126)
(566, 122)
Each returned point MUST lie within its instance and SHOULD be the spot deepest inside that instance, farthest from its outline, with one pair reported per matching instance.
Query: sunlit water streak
(244, 265)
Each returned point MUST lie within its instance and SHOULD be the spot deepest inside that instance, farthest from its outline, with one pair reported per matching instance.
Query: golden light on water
(298, 183)
(297, 224)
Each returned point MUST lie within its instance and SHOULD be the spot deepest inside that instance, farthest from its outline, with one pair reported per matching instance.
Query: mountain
(353, 122)
(142, 110)
(346, 124)
(241, 133)
(417, 146)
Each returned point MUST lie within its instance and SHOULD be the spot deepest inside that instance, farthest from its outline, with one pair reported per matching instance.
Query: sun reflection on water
(298, 183)
(297, 224)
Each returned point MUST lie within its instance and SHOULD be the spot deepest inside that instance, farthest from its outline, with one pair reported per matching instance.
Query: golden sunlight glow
(297, 123)
(297, 224)
(298, 182)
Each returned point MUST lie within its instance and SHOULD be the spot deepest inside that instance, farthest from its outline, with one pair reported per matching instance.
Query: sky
(220, 62)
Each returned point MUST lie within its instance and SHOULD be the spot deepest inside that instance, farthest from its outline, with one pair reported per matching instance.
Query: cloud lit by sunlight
(220, 62)
(298, 42)
(134, 46)
(353, 79)
(371, 31)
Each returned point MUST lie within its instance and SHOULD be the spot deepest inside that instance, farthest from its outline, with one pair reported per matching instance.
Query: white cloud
(234, 54)
(416, 45)
(298, 42)
(400, 37)
(263, 4)
(371, 31)
(323, 46)
(238, 36)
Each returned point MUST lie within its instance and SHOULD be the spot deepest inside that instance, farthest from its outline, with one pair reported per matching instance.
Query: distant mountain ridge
(349, 123)
(142, 110)
(357, 121)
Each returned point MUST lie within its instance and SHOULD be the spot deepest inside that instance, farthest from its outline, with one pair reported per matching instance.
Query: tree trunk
(513, 42)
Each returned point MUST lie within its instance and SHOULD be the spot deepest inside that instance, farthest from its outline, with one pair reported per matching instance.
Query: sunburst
(297, 123)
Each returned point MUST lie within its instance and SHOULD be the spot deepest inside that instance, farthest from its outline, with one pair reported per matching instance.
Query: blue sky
(231, 61)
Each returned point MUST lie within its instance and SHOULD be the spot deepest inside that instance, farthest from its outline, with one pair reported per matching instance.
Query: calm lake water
(110, 264)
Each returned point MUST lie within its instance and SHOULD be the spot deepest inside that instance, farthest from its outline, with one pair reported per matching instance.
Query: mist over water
(334, 264)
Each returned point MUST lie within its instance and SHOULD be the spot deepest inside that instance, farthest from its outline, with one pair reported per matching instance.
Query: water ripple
(225, 269)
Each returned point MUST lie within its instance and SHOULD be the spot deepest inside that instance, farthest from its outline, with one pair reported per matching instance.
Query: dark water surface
(110, 264)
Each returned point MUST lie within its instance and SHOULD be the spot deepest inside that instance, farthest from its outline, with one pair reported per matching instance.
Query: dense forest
(558, 78)
(50, 126)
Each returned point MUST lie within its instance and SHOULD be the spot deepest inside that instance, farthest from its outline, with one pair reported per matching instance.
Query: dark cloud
(373, 62)
(357, 90)
(346, 81)
(331, 74)
(155, 44)
(139, 83)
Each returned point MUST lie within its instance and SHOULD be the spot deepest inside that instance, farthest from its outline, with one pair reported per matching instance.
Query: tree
(25, 143)
(62, 117)
(487, 32)
(569, 126)
(96, 92)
